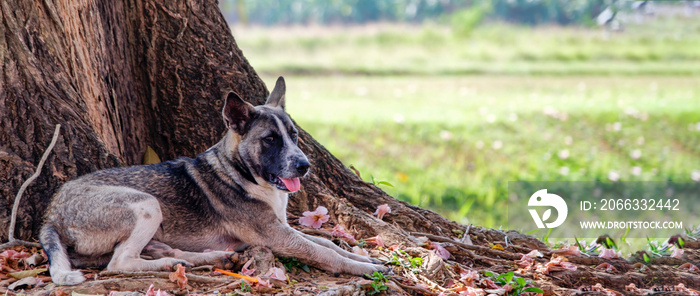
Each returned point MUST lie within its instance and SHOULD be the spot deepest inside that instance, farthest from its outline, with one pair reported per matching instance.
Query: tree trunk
(123, 75)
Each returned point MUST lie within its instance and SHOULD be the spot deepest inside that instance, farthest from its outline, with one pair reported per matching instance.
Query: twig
(166, 275)
(414, 288)
(439, 238)
(19, 242)
(465, 237)
(15, 207)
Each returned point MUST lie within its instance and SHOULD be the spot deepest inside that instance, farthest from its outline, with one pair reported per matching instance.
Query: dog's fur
(228, 197)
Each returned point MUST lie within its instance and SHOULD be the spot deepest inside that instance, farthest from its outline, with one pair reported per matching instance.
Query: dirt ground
(485, 262)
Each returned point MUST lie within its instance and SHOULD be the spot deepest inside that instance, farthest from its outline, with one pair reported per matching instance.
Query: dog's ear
(237, 113)
(276, 98)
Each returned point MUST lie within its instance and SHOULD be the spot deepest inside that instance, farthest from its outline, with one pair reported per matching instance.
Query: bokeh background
(442, 102)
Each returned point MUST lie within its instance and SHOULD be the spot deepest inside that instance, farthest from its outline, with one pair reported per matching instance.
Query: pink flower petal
(339, 231)
(440, 250)
(677, 253)
(608, 254)
(359, 251)
(263, 283)
(568, 265)
(316, 218)
(276, 273)
(377, 240)
(245, 270)
(382, 210)
(473, 292)
(469, 277)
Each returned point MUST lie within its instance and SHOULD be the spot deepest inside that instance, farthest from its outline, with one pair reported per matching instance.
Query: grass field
(449, 120)
(667, 46)
(453, 143)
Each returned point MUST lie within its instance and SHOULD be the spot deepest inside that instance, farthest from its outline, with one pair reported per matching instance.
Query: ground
(487, 261)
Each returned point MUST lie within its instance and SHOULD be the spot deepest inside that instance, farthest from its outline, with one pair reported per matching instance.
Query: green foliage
(291, 263)
(520, 285)
(656, 249)
(379, 182)
(465, 21)
(664, 46)
(244, 286)
(378, 284)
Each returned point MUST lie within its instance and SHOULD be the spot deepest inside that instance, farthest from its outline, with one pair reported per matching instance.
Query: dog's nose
(302, 166)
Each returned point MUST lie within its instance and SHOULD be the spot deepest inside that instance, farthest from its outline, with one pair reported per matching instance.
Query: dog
(230, 197)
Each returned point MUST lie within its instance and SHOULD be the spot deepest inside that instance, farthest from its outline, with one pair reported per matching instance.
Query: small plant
(289, 264)
(378, 284)
(520, 285)
(657, 250)
(245, 287)
(379, 182)
(362, 243)
(416, 262)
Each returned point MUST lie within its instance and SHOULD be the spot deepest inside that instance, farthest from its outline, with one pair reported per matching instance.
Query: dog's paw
(68, 278)
(363, 269)
(225, 260)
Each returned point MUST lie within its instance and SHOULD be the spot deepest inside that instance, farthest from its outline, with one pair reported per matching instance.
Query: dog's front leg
(327, 243)
(287, 242)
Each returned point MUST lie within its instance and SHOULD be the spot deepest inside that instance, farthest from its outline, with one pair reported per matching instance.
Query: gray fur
(229, 197)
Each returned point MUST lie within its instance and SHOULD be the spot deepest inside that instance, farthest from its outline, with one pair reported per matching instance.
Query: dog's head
(267, 139)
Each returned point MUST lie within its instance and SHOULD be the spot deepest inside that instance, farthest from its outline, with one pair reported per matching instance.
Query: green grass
(436, 139)
(666, 46)
(449, 120)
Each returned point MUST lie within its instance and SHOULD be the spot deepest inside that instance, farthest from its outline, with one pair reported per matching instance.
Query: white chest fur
(275, 198)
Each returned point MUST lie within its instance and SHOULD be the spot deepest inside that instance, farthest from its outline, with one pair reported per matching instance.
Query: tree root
(17, 242)
(488, 250)
(166, 275)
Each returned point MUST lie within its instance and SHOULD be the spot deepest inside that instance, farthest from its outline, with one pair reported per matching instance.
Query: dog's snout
(302, 166)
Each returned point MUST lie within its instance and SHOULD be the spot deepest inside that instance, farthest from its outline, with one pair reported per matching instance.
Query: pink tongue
(291, 184)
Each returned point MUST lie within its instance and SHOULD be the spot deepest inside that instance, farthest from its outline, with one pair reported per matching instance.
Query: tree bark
(123, 75)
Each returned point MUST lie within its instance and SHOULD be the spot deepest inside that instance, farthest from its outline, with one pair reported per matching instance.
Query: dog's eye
(294, 137)
(269, 140)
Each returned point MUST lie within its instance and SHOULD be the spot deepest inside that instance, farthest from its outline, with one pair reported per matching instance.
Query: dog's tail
(59, 264)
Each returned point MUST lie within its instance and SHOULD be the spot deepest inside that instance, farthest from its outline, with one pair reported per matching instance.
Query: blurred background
(442, 102)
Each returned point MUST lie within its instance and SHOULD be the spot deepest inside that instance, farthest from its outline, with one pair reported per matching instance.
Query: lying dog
(229, 197)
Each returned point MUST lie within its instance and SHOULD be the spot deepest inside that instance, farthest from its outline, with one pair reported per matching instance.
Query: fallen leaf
(469, 277)
(569, 251)
(606, 267)
(276, 273)
(689, 267)
(473, 292)
(150, 157)
(28, 282)
(686, 291)
(178, 276)
(27, 273)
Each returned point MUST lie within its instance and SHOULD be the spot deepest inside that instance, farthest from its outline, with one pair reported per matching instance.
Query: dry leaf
(27, 273)
(179, 276)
